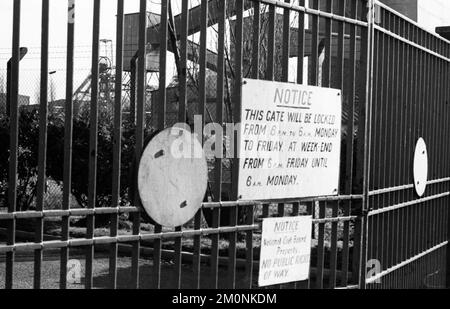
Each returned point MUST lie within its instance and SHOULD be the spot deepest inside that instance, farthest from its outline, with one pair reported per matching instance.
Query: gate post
(367, 66)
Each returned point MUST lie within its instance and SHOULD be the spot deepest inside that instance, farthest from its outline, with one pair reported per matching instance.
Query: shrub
(28, 158)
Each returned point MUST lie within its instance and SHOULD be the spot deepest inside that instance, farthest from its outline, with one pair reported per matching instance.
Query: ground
(23, 273)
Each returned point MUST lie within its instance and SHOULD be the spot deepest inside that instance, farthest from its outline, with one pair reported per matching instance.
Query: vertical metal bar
(406, 73)
(14, 142)
(266, 208)
(93, 143)
(163, 30)
(202, 113)
(416, 133)
(385, 156)
(326, 69)
(280, 214)
(351, 95)
(411, 95)
(401, 176)
(271, 44)
(390, 141)
(365, 91)
(197, 250)
(182, 117)
(396, 152)
(133, 82)
(446, 214)
(178, 258)
(367, 49)
(68, 139)
(412, 233)
(374, 221)
(140, 108)
(239, 33)
(301, 44)
(162, 115)
(321, 248)
(43, 122)
(310, 210)
(326, 82)
(183, 59)
(256, 39)
(341, 45)
(220, 105)
(285, 67)
(350, 125)
(202, 61)
(286, 44)
(346, 245)
(249, 246)
(334, 240)
(314, 63)
(440, 142)
(215, 250)
(420, 132)
(117, 155)
(377, 146)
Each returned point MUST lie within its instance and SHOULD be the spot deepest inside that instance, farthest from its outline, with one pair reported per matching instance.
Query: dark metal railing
(394, 77)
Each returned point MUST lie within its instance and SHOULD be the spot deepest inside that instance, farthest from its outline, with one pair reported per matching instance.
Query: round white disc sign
(173, 177)
(421, 167)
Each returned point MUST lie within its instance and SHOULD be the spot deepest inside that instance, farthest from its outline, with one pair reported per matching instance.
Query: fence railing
(326, 43)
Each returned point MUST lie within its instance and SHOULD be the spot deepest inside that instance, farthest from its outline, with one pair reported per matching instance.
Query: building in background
(429, 14)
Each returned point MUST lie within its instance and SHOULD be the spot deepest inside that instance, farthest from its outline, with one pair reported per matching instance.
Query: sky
(31, 37)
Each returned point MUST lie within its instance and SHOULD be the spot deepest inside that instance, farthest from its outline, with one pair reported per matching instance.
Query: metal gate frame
(411, 68)
(353, 206)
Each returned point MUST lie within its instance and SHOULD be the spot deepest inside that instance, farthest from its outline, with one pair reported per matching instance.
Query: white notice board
(290, 141)
(285, 250)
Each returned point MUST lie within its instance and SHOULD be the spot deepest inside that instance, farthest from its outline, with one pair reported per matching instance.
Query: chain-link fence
(29, 101)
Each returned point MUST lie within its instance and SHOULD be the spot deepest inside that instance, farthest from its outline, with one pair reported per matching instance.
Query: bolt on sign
(290, 141)
(285, 250)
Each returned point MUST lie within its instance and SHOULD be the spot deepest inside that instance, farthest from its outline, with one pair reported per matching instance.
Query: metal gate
(394, 77)
(408, 235)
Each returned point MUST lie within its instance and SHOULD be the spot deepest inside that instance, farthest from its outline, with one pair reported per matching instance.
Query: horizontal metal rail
(413, 44)
(131, 210)
(315, 12)
(409, 20)
(408, 204)
(147, 237)
(406, 187)
(68, 213)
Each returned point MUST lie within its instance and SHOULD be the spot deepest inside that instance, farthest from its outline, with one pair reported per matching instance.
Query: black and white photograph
(224, 151)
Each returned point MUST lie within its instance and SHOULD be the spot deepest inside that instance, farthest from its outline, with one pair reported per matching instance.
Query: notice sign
(290, 141)
(285, 250)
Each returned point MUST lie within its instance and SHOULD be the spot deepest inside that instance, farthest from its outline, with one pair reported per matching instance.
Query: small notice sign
(290, 141)
(285, 250)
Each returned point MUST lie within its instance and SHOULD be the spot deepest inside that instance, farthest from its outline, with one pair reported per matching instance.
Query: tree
(27, 158)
